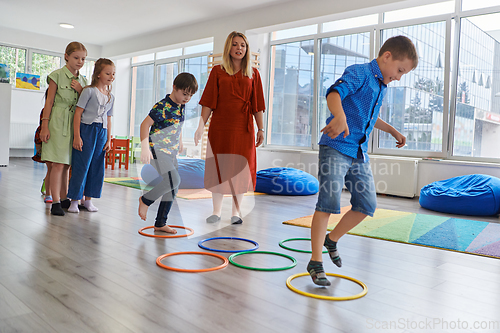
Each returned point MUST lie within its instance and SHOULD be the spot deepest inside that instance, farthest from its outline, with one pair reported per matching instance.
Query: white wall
(121, 90)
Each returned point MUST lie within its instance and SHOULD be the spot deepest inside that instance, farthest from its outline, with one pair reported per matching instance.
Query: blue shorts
(336, 170)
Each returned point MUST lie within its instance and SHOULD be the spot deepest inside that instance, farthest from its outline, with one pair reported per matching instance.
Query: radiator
(395, 175)
(22, 135)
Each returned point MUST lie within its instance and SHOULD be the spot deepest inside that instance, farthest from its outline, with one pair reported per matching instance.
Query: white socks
(73, 208)
(90, 207)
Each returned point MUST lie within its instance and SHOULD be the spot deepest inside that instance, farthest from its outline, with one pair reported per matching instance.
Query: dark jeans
(167, 167)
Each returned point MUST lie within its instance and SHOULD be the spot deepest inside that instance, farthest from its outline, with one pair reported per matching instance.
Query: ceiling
(104, 21)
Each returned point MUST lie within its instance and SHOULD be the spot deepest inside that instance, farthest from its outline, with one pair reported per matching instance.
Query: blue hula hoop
(200, 244)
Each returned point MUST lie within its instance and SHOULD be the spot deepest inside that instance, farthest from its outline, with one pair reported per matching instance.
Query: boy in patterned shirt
(354, 101)
(163, 126)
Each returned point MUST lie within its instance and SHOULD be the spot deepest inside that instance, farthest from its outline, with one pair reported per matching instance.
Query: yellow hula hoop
(330, 298)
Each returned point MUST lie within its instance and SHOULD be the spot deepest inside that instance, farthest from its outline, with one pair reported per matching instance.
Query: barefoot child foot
(166, 228)
(143, 209)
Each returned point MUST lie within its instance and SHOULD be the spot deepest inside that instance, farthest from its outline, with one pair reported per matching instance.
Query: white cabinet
(5, 97)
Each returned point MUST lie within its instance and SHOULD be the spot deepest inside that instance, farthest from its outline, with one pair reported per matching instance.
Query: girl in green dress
(65, 86)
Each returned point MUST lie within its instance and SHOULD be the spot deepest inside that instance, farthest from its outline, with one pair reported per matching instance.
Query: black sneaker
(65, 203)
(56, 209)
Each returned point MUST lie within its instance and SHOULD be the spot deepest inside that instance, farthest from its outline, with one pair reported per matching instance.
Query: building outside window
(291, 96)
(414, 105)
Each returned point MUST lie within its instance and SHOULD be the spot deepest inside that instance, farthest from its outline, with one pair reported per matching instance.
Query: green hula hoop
(296, 250)
(292, 265)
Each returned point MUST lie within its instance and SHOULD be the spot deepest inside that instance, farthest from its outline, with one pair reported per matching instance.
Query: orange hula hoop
(191, 231)
(224, 264)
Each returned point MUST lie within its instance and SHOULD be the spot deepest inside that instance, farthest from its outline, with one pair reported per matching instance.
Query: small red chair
(120, 150)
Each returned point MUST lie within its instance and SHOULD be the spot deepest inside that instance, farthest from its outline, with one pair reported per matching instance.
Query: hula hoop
(331, 298)
(200, 244)
(224, 264)
(296, 250)
(292, 265)
(191, 231)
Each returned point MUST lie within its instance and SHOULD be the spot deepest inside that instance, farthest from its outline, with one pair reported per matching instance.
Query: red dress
(230, 166)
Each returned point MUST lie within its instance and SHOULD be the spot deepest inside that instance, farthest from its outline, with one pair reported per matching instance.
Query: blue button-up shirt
(362, 90)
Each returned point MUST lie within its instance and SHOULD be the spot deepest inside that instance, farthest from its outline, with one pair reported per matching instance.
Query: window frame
(451, 66)
(156, 63)
(447, 112)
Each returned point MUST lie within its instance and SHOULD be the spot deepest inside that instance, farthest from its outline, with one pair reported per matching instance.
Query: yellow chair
(135, 149)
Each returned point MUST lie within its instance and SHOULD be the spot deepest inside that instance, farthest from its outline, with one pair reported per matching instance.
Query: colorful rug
(470, 236)
(189, 194)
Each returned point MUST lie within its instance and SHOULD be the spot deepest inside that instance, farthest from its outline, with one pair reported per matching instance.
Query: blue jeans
(336, 170)
(87, 166)
(167, 167)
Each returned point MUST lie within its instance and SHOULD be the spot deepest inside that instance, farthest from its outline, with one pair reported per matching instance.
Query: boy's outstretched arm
(339, 123)
(383, 126)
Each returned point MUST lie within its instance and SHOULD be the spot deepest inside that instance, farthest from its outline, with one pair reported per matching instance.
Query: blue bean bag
(464, 195)
(191, 171)
(286, 181)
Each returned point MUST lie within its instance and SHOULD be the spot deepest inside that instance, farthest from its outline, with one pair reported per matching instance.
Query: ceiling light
(66, 25)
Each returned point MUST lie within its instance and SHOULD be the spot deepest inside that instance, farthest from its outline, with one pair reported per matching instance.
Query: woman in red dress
(234, 97)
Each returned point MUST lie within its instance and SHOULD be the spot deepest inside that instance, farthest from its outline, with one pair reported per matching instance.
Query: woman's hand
(260, 138)
(77, 143)
(198, 134)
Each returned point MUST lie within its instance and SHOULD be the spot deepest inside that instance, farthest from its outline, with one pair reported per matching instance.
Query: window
(477, 118)
(354, 22)
(199, 68)
(337, 53)
(15, 58)
(414, 105)
(295, 32)
(476, 4)
(142, 96)
(291, 97)
(207, 47)
(146, 91)
(169, 54)
(88, 69)
(44, 64)
(166, 74)
(143, 58)
(420, 11)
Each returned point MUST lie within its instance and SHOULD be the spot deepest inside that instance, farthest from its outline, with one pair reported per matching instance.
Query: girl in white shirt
(92, 137)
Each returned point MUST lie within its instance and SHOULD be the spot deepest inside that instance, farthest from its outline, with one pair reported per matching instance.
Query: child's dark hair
(186, 81)
(401, 47)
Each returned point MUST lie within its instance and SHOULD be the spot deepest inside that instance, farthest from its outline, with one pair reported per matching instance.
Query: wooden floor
(93, 272)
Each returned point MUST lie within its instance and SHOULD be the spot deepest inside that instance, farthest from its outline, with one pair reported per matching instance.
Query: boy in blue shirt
(163, 127)
(354, 101)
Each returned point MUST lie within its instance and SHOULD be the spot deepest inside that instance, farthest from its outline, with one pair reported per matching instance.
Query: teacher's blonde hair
(246, 63)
